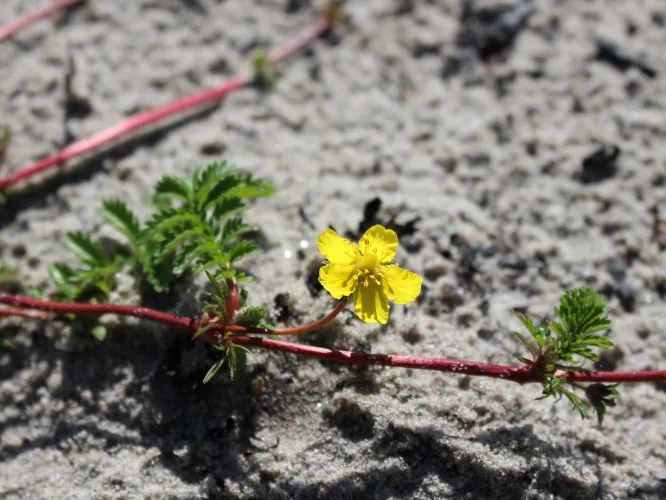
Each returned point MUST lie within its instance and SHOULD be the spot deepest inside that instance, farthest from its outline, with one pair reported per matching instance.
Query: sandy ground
(396, 107)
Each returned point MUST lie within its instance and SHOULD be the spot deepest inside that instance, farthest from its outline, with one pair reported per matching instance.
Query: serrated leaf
(99, 332)
(172, 187)
(225, 208)
(172, 220)
(121, 217)
(158, 275)
(581, 311)
(243, 297)
(250, 317)
(600, 397)
(83, 247)
(240, 250)
(204, 179)
(62, 275)
(176, 242)
(233, 228)
(221, 287)
(204, 251)
(526, 343)
(237, 361)
(252, 188)
(576, 402)
(527, 323)
(214, 369)
(216, 192)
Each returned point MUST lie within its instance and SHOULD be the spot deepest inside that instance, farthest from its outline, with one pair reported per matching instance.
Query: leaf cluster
(565, 346)
(235, 355)
(95, 278)
(196, 226)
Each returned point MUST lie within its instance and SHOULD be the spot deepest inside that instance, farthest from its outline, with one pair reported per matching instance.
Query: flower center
(369, 262)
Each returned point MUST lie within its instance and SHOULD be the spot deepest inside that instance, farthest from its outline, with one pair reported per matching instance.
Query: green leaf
(250, 317)
(99, 332)
(121, 217)
(176, 242)
(240, 250)
(233, 228)
(84, 248)
(237, 361)
(252, 188)
(216, 192)
(170, 220)
(601, 397)
(220, 286)
(35, 291)
(172, 188)
(243, 297)
(526, 343)
(527, 323)
(225, 208)
(582, 311)
(62, 277)
(204, 179)
(214, 369)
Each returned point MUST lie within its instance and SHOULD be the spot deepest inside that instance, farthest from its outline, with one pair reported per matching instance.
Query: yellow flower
(365, 272)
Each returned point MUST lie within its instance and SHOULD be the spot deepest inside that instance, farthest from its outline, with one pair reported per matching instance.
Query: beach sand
(486, 151)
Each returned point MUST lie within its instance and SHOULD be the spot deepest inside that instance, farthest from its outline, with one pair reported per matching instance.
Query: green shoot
(565, 345)
(96, 277)
(192, 230)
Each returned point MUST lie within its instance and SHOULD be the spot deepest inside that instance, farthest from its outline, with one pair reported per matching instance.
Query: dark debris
(284, 306)
(600, 165)
(492, 31)
(371, 216)
(614, 55)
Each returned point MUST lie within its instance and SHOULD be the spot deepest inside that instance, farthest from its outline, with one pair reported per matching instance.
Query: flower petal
(400, 285)
(383, 240)
(340, 280)
(336, 249)
(370, 303)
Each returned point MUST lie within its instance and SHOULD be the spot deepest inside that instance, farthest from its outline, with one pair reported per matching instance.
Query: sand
(394, 106)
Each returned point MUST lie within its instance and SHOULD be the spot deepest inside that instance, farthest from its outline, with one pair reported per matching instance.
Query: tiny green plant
(559, 347)
(197, 227)
(196, 224)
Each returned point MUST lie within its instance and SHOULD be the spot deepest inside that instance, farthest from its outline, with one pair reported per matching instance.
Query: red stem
(304, 39)
(19, 301)
(15, 311)
(146, 118)
(12, 28)
(299, 330)
(515, 374)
